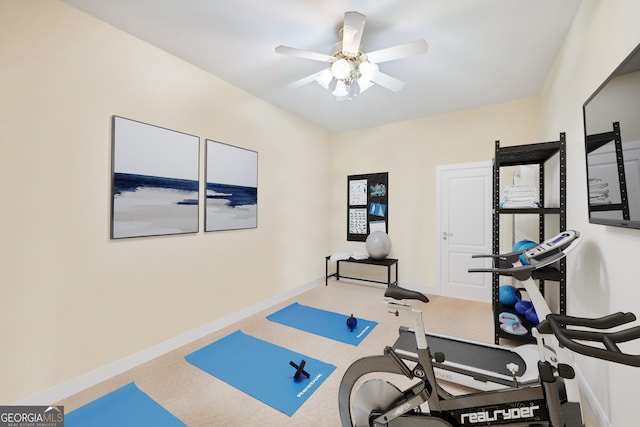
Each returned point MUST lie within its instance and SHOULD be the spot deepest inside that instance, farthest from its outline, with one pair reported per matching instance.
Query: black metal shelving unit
(530, 154)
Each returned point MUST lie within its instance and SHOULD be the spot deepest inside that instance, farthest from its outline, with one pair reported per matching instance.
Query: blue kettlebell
(352, 322)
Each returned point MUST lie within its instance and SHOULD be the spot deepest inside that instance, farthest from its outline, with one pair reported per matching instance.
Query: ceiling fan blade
(352, 33)
(301, 53)
(388, 82)
(305, 80)
(398, 52)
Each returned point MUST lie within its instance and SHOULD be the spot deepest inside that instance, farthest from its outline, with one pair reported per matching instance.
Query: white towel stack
(516, 196)
(598, 192)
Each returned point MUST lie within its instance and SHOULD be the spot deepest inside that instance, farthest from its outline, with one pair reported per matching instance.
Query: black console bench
(386, 262)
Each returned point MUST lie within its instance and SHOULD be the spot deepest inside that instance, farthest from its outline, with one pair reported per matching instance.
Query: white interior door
(464, 229)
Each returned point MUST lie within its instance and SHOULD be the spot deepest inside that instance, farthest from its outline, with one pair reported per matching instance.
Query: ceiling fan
(352, 70)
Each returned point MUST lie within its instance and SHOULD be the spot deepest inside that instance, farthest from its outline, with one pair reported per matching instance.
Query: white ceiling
(481, 52)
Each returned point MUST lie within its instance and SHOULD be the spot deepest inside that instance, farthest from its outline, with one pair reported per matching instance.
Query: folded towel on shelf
(529, 199)
(599, 199)
(340, 256)
(516, 205)
(597, 183)
(598, 192)
(516, 196)
(359, 255)
(516, 189)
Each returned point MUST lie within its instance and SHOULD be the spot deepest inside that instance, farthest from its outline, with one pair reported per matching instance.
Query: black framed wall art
(367, 205)
(155, 180)
(231, 187)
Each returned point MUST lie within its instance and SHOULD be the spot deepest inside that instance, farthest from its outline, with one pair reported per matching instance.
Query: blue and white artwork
(232, 187)
(155, 180)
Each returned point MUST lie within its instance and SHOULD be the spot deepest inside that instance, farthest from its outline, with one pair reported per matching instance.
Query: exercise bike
(489, 367)
(378, 402)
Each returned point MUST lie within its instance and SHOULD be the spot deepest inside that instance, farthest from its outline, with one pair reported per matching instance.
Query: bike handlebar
(503, 264)
(522, 263)
(559, 325)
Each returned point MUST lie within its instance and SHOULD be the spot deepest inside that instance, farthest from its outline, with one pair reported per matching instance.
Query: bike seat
(399, 293)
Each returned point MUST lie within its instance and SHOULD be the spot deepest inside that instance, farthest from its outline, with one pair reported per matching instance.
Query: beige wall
(602, 275)
(410, 151)
(72, 299)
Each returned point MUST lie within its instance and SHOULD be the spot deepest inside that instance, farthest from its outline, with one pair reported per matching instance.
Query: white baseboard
(592, 401)
(59, 392)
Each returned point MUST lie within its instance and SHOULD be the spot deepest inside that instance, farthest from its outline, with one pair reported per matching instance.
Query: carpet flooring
(199, 399)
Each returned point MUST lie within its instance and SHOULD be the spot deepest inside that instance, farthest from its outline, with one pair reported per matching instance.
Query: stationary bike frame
(532, 405)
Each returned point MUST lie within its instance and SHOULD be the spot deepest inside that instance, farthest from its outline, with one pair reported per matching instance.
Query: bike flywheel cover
(372, 395)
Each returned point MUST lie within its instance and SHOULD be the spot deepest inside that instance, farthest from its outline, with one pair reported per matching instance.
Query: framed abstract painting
(231, 187)
(155, 181)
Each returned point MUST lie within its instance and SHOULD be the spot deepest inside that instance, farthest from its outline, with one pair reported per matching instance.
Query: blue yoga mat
(261, 370)
(324, 323)
(127, 406)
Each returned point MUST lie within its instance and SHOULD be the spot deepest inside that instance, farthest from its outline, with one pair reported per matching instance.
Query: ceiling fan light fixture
(341, 89)
(341, 69)
(368, 70)
(353, 69)
(364, 84)
(324, 78)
